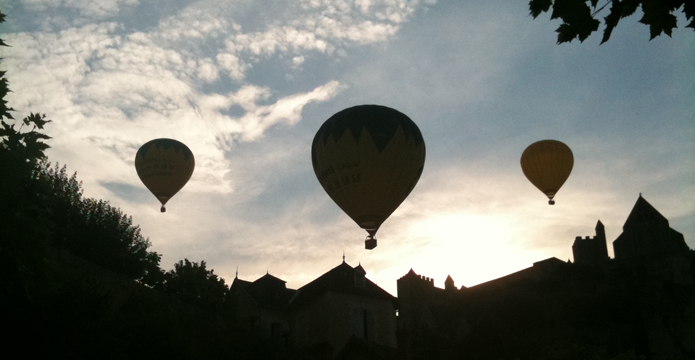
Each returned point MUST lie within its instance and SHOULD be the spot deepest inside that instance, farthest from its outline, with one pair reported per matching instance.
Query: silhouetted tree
(42, 209)
(94, 230)
(579, 16)
(193, 283)
(59, 305)
(24, 228)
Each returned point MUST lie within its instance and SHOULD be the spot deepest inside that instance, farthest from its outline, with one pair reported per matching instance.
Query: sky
(246, 85)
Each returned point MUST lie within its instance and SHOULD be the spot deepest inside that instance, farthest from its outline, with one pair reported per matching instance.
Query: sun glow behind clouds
(480, 245)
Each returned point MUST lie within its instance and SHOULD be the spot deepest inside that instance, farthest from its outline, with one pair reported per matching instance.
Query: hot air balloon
(547, 164)
(164, 166)
(368, 158)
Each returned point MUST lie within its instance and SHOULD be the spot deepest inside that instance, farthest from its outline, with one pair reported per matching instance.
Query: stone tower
(591, 250)
(449, 283)
(647, 234)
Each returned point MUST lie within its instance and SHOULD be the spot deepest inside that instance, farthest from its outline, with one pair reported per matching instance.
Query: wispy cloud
(111, 89)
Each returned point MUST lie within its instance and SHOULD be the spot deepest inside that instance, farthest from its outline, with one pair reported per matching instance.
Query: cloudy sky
(247, 83)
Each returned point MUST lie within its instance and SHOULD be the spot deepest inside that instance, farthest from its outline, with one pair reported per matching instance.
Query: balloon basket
(163, 209)
(370, 243)
(551, 202)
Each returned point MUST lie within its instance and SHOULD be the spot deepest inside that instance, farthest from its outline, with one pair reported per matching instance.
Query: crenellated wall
(591, 250)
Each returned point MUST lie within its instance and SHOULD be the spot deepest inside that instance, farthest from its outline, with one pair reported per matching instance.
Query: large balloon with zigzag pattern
(368, 158)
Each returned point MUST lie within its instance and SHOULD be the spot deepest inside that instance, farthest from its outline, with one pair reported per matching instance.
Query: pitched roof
(644, 212)
(267, 291)
(539, 268)
(270, 280)
(270, 291)
(339, 279)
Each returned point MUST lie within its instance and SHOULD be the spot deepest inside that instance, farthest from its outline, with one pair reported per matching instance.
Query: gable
(644, 213)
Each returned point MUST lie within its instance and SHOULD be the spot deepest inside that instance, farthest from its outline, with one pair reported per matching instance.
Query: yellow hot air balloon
(164, 166)
(368, 158)
(547, 164)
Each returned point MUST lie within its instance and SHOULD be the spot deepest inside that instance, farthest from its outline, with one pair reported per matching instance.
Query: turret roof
(643, 212)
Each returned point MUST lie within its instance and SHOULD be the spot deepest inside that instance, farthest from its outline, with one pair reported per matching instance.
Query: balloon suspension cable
(163, 209)
(551, 202)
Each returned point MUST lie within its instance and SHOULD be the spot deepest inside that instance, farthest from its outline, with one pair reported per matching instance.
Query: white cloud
(207, 71)
(363, 5)
(194, 23)
(109, 93)
(297, 60)
(287, 110)
(312, 26)
(232, 64)
(285, 39)
(66, 13)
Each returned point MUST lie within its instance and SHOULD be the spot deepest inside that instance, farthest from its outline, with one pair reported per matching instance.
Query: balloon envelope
(368, 158)
(164, 166)
(547, 164)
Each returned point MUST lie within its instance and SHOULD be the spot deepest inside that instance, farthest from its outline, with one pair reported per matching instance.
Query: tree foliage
(94, 230)
(24, 232)
(195, 284)
(579, 16)
(73, 264)
(42, 209)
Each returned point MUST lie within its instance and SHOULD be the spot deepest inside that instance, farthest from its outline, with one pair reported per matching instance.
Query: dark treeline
(77, 277)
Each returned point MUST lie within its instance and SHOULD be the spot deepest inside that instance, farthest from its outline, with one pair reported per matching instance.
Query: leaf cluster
(93, 229)
(579, 16)
(193, 283)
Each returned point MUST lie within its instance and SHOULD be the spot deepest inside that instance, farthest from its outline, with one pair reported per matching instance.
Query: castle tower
(591, 250)
(601, 231)
(647, 234)
(449, 283)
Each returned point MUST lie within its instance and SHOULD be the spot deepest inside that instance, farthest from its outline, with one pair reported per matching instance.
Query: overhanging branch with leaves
(579, 17)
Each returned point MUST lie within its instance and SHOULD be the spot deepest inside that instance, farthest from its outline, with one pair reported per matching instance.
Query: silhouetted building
(639, 305)
(647, 234)
(324, 314)
(591, 250)
(260, 306)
